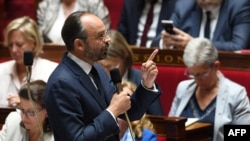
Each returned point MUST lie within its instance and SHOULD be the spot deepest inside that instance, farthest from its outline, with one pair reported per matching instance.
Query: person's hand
(166, 38)
(13, 100)
(149, 71)
(178, 40)
(121, 102)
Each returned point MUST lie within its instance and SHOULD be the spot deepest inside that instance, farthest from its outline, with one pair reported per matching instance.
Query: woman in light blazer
(209, 95)
(22, 34)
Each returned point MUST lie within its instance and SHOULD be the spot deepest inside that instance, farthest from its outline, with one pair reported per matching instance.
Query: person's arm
(241, 112)
(239, 23)
(156, 108)
(76, 114)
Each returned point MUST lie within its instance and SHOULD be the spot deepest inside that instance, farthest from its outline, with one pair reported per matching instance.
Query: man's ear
(79, 44)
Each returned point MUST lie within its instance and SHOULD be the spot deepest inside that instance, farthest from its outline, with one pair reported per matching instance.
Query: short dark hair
(73, 29)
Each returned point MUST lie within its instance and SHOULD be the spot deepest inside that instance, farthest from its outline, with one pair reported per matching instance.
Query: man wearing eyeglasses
(82, 102)
(209, 95)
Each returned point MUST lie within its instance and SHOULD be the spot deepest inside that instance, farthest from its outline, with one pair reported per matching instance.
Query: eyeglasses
(102, 36)
(198, 75)
(29, 113)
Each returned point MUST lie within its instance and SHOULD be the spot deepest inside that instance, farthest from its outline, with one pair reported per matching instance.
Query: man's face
(96, 45)
(208, 4)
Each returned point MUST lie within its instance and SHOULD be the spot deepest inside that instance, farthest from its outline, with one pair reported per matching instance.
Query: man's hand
(179, 40)
(149, 71)
(121, 102)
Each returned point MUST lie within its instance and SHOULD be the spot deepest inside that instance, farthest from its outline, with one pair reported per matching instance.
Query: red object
(12, 9)
(115, 8)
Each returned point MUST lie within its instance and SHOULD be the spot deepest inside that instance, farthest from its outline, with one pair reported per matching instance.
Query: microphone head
(28, 58)
(115, 75)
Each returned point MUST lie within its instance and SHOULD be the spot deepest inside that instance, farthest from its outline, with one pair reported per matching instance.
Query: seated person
(51, 15)
(224, 22)
(209, 95)
(23, 124)
(120, 55)
(142, 129)
(22, 34)
(136, 24)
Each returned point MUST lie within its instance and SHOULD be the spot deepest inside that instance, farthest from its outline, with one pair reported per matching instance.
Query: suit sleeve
(67, 114)
(239, 23)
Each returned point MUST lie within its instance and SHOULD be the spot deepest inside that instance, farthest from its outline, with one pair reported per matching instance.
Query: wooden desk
(4, 111)
(175, 130)
(198, 131)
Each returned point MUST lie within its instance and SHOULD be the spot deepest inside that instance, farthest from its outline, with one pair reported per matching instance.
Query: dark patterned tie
(93, 73)
(207, 26)
(148, 23)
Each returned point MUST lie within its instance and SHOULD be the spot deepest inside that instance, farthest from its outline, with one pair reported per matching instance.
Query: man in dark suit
(81, 100)
(229, 24)
(133, 19)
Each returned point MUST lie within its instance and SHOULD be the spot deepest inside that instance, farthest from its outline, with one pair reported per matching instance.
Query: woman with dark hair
(30, 121)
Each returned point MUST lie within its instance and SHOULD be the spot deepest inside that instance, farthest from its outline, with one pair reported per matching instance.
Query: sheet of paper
(190, 121)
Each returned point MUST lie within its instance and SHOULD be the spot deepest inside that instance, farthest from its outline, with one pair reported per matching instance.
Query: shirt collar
(214, 11)
(84, 65)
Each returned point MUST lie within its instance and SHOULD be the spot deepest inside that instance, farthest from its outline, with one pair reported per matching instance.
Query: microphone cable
(28, 62)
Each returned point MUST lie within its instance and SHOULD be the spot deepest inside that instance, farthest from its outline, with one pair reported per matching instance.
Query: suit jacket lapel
(221, 21)
(87, 83)
(196, 19)
(221, 102)
(85, 80)
(187, 95)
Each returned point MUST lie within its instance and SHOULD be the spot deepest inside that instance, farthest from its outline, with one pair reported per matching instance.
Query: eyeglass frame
(203, 75)
(102, 36)
(29, 114)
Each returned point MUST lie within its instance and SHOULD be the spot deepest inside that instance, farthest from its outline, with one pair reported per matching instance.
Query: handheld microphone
(28, 62)
(116, 78)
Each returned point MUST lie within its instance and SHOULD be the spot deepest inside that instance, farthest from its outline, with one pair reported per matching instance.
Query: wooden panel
(229, 60)
(175, 130)
(4, 111)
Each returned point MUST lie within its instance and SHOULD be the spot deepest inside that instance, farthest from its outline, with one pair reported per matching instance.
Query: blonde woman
(22, 34)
